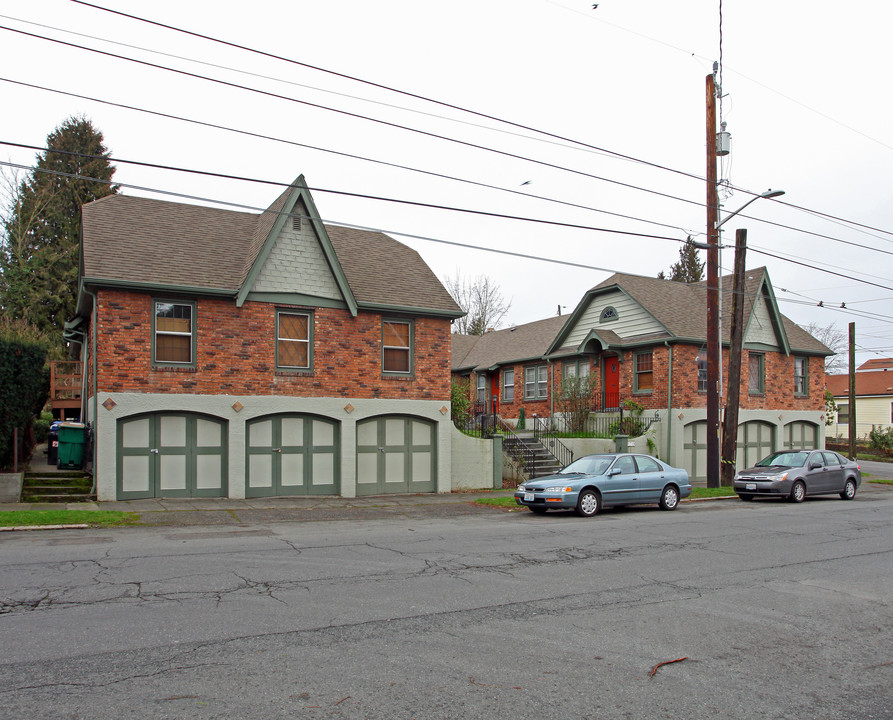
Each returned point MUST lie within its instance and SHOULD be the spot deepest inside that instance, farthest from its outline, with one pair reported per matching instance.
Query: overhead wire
(244, 206)
(441, 103)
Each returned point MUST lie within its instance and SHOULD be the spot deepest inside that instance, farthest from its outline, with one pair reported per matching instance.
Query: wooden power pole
(733, 385)
(851, 428)
(714, 358)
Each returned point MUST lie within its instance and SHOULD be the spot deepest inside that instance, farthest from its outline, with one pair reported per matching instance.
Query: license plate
(750, 486)
(528, 497)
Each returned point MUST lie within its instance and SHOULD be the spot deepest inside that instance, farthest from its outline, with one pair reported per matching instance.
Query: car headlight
(561, 489)
(521, 488)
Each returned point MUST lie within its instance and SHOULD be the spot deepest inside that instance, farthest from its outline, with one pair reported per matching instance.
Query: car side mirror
(613, 471)
(814, 465)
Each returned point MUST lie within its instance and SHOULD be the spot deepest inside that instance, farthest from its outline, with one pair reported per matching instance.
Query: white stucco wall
(221, 406)
(472, 461)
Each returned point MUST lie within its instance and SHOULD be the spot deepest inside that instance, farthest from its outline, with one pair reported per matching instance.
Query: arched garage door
(756, 439)
(396, 454)
(171, 455)
(292, 454)
(801, 435)
(694, 438)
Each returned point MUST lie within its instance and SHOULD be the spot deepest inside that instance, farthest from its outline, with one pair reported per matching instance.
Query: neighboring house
(235, 354)
(644, 339)
(874, 399)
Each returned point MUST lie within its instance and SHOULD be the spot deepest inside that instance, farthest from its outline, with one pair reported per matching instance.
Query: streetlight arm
(767, 194)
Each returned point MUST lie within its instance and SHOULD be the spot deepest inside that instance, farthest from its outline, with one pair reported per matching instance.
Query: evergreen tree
(41, 227)
(689, 267)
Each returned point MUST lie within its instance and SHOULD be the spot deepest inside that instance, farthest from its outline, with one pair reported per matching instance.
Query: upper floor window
(801, 376)
(293, 340)
(173, 333)
(536, 382)
(609, 313)
(508, 385)
(644, 372)
(702, 370)
(757, 374)
(396, 347)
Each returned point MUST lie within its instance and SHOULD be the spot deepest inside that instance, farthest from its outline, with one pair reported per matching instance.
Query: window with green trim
(756, 384)
(801, 376)
(173, 333)
(702, 370)
(643, 381)
(536, 382)
(294, 340)
(396, 347)
(508, 385)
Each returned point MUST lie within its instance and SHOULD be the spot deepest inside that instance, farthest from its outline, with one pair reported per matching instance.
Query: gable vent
(296, 223)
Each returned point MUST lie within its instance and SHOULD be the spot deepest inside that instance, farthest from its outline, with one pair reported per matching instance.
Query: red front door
(494, 392)
(612, 382)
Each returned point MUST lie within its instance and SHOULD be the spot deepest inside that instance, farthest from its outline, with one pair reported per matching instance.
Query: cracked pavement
(780, 611)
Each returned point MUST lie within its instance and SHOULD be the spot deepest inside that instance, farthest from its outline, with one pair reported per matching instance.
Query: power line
(243, 206)
(428, 172)
(318, 106)
(486, 116)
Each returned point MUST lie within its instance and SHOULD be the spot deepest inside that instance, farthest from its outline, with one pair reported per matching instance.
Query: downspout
(669, 401)
(551, 392)
(94, 313)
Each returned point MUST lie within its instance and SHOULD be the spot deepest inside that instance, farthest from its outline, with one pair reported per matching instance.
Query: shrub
(881, 440)
(460, 404)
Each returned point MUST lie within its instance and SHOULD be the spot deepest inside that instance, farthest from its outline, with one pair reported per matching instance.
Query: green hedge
(24, 386)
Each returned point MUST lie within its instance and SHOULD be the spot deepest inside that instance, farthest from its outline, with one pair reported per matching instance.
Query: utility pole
(714, 359)
(851, 429)
(730, 418)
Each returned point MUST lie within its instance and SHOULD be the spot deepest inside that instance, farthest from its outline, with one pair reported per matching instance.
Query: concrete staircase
(58, 487)
(538, 461)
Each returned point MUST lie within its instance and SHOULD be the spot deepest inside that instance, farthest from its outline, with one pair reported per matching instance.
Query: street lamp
(714, 343)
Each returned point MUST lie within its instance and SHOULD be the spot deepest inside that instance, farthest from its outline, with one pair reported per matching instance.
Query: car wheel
(849, 490)
(745, 496)
(588, 503)
(669, 498)
(537, 509)
(798, 492)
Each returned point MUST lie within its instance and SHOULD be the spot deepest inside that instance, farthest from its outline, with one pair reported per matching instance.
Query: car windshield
(785, 459)
(588, 466)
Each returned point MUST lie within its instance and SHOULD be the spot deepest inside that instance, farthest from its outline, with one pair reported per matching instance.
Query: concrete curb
(80, 526)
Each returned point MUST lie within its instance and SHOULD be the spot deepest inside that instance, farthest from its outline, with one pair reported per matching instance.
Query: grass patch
(94, 518)
(702, 492)
(882, 481)
(504, 502)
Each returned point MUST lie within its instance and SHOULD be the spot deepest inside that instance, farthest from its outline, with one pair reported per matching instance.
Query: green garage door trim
(694, 438)
(396, 454)
(756, 440)
(171, 455)
(801, 435)
(292, 454)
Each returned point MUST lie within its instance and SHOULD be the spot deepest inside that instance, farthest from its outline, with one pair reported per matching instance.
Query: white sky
(805, 101)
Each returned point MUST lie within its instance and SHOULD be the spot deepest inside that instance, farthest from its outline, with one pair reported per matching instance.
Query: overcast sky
(805, 98)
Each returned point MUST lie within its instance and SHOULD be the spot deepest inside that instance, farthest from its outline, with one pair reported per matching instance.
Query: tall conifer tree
(41, 239)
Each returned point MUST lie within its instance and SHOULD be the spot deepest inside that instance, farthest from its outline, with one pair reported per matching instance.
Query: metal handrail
(561, 452)
(515, 447)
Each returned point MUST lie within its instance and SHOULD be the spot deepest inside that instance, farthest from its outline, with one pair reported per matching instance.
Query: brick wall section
(236, 353)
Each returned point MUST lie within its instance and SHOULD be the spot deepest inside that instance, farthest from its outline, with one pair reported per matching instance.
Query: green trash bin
(71, 445)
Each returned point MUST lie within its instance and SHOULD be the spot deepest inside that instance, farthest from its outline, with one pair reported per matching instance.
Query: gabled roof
(163, 246)
(867, 384)
(681, 310)
(516, 344)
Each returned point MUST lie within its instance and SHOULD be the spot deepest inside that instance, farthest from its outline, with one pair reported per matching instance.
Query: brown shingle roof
(522, 342)
(682, 307)
(143, 241)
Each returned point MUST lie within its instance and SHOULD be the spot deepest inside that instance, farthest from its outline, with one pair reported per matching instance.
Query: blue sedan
(594, 481)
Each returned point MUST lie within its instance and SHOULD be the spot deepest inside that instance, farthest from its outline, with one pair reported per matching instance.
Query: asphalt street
(717, 610)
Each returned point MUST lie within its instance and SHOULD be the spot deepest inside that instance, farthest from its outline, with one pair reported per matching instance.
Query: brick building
(242, 354)
(644, 340)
